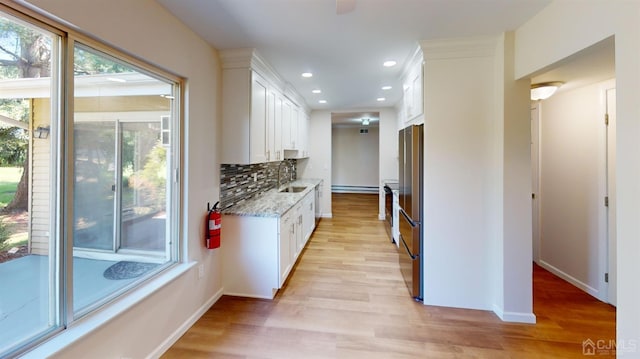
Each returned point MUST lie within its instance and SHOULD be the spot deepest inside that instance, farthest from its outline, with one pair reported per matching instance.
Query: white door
(535, 176)
(611, 194)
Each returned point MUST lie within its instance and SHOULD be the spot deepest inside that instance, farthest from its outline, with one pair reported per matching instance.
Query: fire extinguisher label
(213, 225)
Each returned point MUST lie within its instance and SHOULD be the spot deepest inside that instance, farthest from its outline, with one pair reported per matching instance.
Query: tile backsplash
(237, 181)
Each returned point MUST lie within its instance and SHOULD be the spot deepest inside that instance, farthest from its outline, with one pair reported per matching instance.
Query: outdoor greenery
(89, 63)
(5, 233)
(9, 177)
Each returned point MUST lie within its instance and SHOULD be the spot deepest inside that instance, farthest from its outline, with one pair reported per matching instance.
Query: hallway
(346, 299)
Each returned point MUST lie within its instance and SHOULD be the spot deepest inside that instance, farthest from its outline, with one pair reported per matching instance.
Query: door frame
(117, 253)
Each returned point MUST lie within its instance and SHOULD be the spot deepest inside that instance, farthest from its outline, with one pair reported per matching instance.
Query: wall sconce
(544, 90)
(41, 132)
(365, 122)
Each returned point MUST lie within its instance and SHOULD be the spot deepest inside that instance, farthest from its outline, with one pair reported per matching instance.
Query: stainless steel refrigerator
(411, 244)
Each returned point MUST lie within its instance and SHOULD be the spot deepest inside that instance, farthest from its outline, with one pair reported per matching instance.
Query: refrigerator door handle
(411, 221)
(413, 256)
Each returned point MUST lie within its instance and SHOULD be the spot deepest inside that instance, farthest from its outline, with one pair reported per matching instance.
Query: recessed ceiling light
(380, 99)
(317, 91)
(322, 101)
(307, 74)
(386, 88)
(389, 63)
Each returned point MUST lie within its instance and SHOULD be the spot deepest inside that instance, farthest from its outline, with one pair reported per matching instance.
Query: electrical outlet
(200, 271)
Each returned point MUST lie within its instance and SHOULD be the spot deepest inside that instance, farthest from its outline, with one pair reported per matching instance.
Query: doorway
(355, 151)
(573, 169)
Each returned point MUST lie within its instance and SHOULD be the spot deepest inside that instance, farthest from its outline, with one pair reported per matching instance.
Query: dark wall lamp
(41, 132)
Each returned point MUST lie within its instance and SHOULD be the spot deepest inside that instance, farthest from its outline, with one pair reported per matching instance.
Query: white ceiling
(345, 52)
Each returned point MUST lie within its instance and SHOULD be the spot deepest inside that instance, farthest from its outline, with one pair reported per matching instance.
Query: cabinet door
(295, 113)
(258, 124)
(272, 144)
(407, 100)
(303, 135)
(286, 123)
(285, 262)
(300, 235)
(416, 84)
(308, 215)
(277, 132)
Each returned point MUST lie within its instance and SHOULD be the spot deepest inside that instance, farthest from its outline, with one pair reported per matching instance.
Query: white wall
(388, 145)
(459, 111)
(544, 40)
(145, 29)
(477, 173)
(509, 213)
(354, 157)
(573, 186)
(318, 165)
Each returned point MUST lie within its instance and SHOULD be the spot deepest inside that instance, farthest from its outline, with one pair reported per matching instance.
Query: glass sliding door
(122, 157)
(95, 178)
(143, 171)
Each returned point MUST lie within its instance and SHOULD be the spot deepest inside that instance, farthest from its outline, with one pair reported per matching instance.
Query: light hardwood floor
(346, 299)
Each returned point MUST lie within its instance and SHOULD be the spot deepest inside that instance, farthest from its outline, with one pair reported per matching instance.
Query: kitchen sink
(292, 189)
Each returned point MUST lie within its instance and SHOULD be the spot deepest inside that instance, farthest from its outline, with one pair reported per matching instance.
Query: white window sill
(93, 321)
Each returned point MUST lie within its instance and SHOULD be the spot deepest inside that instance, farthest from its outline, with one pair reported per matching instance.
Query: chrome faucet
(286, 170)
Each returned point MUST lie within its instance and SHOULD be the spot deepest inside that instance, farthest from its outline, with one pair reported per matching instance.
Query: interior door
(535, 179)
(611, 195)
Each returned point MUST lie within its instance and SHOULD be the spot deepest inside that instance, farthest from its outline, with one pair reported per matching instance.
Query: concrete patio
(25, 293)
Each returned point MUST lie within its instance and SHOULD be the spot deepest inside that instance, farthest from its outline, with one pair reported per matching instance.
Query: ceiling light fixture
(389, 63)
(380, 99)
(307, 74)
(317, 91)
(365, 122)
(386, 88)
(322, 101)
(544, 90)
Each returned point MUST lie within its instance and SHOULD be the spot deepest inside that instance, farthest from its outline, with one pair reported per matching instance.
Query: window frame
(69, 327)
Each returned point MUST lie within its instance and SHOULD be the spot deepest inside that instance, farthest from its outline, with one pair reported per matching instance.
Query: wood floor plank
(346, 298)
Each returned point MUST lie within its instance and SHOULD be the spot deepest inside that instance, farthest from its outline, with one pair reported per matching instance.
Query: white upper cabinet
(412, 85)
(259, 122)
(259, 130)
(303, 135)
(274, 126)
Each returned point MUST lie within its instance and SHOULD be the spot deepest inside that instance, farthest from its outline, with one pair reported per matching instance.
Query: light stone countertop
(273, 203)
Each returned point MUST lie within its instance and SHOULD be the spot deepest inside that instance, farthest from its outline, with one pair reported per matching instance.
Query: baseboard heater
(354, 189)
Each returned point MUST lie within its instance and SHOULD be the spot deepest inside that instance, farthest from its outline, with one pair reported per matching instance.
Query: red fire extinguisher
(214, 224)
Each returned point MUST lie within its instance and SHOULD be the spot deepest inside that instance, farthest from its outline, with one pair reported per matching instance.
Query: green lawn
(9, 178)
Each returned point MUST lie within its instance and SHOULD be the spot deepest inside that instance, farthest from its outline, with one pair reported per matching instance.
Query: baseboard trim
(514, 317)
(354, 189)
(179, 332)
(574, 281)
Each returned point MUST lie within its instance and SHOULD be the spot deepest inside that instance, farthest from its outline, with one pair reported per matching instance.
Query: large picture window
(88, 184)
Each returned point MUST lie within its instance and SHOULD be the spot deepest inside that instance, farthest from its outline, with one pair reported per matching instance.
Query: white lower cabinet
(308, 215)
(285, 263)
(258, 253)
